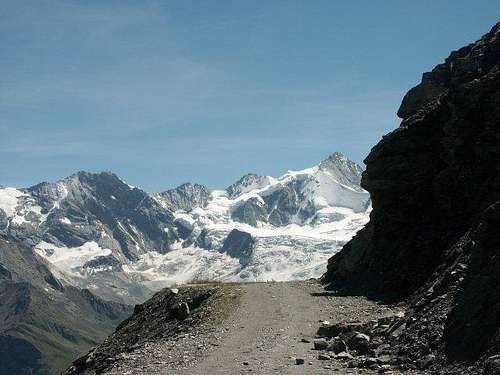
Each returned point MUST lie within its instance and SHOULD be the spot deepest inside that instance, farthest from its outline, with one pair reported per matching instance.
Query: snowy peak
(247, 183)
(299, 197)
(343, 170)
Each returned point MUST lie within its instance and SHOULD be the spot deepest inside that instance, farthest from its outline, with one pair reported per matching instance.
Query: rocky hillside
(161, 331)
(433, 232)
(45, 323)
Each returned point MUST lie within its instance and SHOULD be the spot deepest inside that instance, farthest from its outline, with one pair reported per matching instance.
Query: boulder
(182, 311)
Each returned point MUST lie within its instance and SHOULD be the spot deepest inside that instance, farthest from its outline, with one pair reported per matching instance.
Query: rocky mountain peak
(344, 170)
(247, 183)
(185, 197)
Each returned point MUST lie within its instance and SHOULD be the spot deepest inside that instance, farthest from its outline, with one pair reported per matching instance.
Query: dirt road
(255, 328)
(264, 334)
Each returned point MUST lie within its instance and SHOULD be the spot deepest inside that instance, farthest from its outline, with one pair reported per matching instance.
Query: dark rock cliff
(239, 244)
(435, 189)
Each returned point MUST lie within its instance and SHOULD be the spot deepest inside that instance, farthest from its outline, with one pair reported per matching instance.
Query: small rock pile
(368, 345)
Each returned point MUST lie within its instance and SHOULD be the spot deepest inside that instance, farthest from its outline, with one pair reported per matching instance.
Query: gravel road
(254, 328)
(264, 333)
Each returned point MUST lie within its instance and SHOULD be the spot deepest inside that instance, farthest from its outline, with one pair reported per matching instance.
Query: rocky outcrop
(435, 189)
(240, 245)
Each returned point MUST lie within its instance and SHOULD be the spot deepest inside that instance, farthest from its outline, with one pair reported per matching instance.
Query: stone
(361, 343)
(340, 329)
(320, 344)
(344, 356)
(299, 361)
(353, 363)
(323, 357)
(397, 330)
(182, 311)
(369, 361)
(337, 345)
(383, 349)
(384, 368)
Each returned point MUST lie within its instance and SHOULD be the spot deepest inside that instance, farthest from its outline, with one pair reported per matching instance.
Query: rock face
(251, 212)
(435, 189)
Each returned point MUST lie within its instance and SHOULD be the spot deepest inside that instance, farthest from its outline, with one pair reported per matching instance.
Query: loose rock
(320, 344)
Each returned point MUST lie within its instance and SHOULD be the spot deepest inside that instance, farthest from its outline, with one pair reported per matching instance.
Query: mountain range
(91, 238)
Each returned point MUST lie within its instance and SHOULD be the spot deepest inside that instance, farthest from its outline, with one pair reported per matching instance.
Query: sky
(165, 92)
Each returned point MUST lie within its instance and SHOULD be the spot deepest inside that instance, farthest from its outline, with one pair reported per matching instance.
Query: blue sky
(164, 92)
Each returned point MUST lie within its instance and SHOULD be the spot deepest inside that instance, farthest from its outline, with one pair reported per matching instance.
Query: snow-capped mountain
(121, 242)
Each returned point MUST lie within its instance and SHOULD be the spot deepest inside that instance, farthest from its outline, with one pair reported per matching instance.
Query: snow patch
(65, 220)
(9, 200)
(70, 259)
